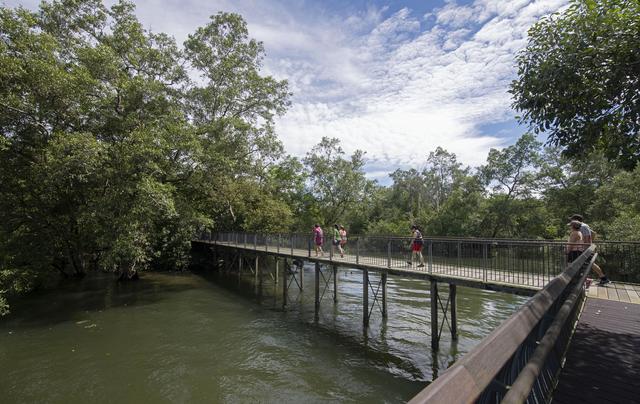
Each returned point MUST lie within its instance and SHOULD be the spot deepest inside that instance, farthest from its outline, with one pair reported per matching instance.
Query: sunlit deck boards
(620, 292)
(603, 362)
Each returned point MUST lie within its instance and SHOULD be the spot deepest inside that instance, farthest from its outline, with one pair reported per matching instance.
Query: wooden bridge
(521, 361)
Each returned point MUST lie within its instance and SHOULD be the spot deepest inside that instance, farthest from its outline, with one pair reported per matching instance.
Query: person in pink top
(318, 239)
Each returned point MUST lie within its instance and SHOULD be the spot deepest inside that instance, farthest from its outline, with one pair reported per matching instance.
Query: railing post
(485, 258)
(389, 253)
(278, 248)
(245, 240)
(357, 250)
(292, 245)
(255, 241)
(333, 247)
(310, 241)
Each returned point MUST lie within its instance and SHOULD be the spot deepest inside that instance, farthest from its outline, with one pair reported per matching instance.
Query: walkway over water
(521, 267)
(603, 362)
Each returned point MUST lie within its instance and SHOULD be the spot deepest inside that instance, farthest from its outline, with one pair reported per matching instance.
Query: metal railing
(532, 263)
(520, 360)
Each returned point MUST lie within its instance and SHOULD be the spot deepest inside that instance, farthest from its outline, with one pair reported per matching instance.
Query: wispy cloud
(389, 80)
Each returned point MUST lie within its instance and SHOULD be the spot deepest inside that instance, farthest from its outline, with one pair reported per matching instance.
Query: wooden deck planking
(633, 295)
(603, 361)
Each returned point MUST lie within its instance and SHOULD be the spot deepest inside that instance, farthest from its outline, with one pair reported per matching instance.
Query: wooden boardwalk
(619, 292)
(518, 282)
(603, 362)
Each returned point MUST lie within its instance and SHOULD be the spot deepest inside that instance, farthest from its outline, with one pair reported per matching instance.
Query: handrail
(522, 387)
(511, 262)
(484, 374)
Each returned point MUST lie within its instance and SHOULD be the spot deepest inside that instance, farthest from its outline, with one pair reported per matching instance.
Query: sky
(395, 79)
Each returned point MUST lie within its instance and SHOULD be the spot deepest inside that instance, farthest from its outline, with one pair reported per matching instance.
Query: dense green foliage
(579, 79)
(117, 146)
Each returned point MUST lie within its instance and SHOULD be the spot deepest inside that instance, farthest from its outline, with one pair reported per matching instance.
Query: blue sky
(393, 78)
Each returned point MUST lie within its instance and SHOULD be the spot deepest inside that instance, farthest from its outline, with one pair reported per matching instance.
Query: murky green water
(194, 339)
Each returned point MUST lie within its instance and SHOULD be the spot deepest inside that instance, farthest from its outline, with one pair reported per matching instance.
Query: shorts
(416, 247)
(319, 241)
(336, 242)
(573, 255)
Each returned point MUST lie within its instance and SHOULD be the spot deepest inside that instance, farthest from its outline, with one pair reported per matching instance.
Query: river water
(189, 338)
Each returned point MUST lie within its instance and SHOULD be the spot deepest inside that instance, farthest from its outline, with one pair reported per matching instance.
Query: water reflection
(215, 338)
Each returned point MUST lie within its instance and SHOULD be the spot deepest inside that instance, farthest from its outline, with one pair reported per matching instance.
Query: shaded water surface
(192, 338)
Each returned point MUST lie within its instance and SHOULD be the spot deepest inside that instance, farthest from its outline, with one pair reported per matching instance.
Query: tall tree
(579, 79)
(338, 184)
(511, 173)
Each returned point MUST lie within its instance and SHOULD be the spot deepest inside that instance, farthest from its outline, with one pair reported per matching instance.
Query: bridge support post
(435, 338)
(365, 298)
(301, 277)
(384, 294)
(317, 294)
(335, 284)
(259, 274)
(285, 271)
(256, 274)
(454, 311)
(277, 269)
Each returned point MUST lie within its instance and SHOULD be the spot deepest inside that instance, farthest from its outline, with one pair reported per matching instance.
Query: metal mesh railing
(531, 263)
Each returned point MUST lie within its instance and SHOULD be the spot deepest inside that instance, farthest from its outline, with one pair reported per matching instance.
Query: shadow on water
(95, 292)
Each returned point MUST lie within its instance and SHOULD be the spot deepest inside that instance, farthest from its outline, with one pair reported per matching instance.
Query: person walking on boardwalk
(587, 239)
(574, 245)
(318, 239)
(416, 246)
(343, 240)
(336, 240)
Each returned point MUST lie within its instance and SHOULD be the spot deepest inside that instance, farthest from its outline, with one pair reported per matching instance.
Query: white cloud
(390, 82)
